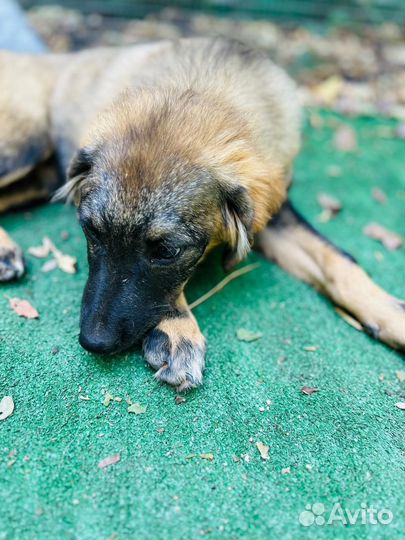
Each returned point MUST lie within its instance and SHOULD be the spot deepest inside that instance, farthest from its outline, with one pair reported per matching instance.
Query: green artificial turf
(343, 444)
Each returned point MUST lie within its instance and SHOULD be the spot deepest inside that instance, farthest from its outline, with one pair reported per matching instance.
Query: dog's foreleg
(293, 243)
(176, 348)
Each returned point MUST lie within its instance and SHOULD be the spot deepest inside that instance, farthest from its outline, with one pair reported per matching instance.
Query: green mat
(343, 444)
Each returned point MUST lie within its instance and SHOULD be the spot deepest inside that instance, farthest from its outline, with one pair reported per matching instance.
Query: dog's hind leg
(298, 248)
(25, 141)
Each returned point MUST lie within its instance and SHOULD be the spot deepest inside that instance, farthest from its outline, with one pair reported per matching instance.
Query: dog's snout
(100, 344)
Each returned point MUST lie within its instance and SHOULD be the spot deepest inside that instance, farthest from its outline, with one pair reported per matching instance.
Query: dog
(171, 149)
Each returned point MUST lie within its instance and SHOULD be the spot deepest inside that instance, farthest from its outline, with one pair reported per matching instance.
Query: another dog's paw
(176, 349)
(11, 258)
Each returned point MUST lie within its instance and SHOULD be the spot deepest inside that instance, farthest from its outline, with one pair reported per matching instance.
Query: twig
(223, 283)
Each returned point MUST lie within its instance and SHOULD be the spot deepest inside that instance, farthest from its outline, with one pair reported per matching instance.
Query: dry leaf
(378, 195)
(263, 449)
(287, 470)
(334, 171)
(316, 121)
(400, 131)
(208, 456)
(308, 390)
(246, 335)
(389, 239)
(327, 202)
(311, 348)
(136, 408)
(42, 251)
(6, 407)
(110, 460)
(23, 308)
(345, 139)
(400, 405)
(179, 400)
(379, 257)
(400, 375)
(50, 265)
(328, 91)
(66, 263)
(349, 319)
(107, 399)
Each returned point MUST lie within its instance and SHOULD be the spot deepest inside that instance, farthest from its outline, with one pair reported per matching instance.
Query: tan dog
(171, 149)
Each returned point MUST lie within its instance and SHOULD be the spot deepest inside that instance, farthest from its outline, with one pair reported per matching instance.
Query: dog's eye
(165, 253)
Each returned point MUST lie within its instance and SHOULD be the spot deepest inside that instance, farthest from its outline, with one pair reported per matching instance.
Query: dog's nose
(98, 344)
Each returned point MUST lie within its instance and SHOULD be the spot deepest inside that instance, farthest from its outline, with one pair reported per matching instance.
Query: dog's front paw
(11, 258)
(176, 349)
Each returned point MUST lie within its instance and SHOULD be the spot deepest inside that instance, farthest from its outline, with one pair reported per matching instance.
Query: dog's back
(262, 95)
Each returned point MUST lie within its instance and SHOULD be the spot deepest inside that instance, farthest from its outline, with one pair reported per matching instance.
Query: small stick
(223, 283)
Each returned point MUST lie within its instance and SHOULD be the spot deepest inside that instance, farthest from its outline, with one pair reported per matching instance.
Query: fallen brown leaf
(345, 139)
(316, 121)
(311, 348)
(179, 400)
(378, 195)
(42, 251)
(308, 390)
(247, 335)
(349, 319)
(334, 171)
(286, 470)
(50, 265)
(327, 202)
(66, 263)
(208, 456)
(23, 308)
(136, 408)
(328, 91)
(400, 131)
(389, 239)
(6, 407)
(110, 460)
(263, 449)
(400, 375)
(107, 399)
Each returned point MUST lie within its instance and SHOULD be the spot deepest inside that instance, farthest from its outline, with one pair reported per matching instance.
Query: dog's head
(157, 185)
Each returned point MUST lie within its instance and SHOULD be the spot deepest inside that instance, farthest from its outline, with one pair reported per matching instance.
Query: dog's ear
(238, 213)
(78, 171)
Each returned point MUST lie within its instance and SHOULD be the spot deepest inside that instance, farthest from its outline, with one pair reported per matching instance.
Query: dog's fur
(171, 149)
